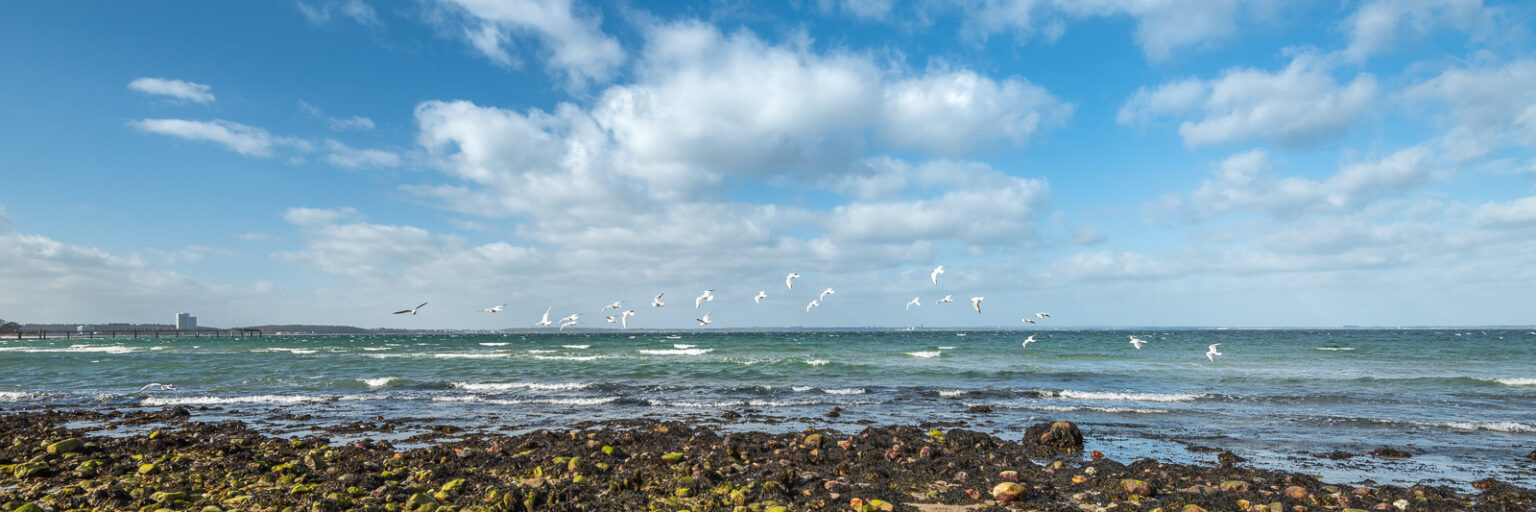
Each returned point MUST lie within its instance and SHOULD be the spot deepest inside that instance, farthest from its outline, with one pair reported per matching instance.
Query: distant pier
(133, 333)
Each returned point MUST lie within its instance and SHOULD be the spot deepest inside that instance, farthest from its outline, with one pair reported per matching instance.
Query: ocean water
(1462, 401)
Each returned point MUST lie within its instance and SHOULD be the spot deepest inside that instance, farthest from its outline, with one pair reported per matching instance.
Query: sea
(1462, 402)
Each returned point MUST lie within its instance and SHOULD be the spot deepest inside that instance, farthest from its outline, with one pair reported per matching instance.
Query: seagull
(612, 319)
(656, 302)
(545, 321)
(1027, 320)
(624, 317)
(412, 311)
(935, 275)
(1042, 315)
(708, 295)
(761, 294)
(947, 299)
(1137, 342)
(496, 309)
(976, 303)
(567, 322)
(825, 293)
(162, 387)
(1027, 341)
(1211, 353)
(616, 305)
(789, 280)
(705, 319)
(571, 319)
(913, 302)
(812, 305)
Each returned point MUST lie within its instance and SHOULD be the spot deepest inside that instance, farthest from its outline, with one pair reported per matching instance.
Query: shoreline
(166, 459)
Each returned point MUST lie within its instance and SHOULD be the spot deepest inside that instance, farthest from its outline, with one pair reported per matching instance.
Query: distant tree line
(9, 326)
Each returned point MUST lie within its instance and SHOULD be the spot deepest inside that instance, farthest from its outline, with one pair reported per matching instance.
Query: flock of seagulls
(622, 318)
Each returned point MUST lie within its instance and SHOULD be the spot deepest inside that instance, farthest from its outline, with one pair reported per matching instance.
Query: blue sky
(1113, 162)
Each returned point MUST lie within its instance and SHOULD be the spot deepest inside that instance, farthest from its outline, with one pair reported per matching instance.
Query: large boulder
(1054, 438)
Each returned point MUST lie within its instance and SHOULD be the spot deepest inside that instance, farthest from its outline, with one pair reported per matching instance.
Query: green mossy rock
(672, 457)
(73, 444)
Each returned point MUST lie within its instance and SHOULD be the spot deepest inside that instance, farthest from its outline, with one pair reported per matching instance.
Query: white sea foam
(598, 400)
(508, 386)
(568, 358)
(816, 362)
(682, 346)
(221, 400)
(1129, 397)
(1075, 408)
(373, 383)
(109, 349)
(677, 351)
(16, 396)
(847, 391)
(946, 348)
(577, 347)
(375, 349)
(696, 405)
(541, 351)
(925, 354)
(157, 348)
(494, 344)
(1335, 349)
(1521, 382)
(299, 351)
(953, 392)
(470, 355)
(1496, 426)
(801, 389)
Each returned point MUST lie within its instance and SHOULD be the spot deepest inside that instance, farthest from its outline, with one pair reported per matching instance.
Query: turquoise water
(1464, 401)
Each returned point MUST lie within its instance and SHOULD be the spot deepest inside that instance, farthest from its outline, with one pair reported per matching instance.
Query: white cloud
(1248, 182)
(246, 140)
(1162, 26)
(1491, 107)
(322, 13)
(69, 283)
(257, 237)
(952, 113)
(1378, 25)
(350, 123)
(342, 155)
(1517, 213)
(863, 9)
(577, 45)
(1298, 106)
(180, 90)
(5, 221)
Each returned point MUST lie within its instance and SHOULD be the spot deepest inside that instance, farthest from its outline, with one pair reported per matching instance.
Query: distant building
(85, 328)
(186, 322)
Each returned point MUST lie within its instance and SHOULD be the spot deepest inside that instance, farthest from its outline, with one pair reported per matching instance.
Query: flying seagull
(761, 294)
(496, 309)
(947, 299)
(616, 305)
(161, 387)
(1027, 341)
(412, 311)
(976, 303)
(1027, 320)
(571, 319)
(812, 305)
(913, 302)
(935, 275)
(1042, 315)
(703, 321)
(612, 319)
(656, 302)
(825, 293)
(545, 321)
(789, 280)
(624, 317)
(1137, 342)
(567, 322)
(1211, 353)
(708, 295)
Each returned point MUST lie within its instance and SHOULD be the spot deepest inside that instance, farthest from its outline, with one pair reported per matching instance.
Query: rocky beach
(167, 459)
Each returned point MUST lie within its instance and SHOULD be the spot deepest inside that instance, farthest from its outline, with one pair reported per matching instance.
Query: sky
(1223, 163)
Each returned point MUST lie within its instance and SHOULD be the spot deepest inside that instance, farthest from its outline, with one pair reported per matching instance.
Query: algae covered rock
(1009, 491)
(1054, 438)
(73, 444)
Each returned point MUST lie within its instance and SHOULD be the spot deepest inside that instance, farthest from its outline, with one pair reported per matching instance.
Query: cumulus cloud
(342, 155)
(1378, 25)
(1248, 182)
(1298, 106)
(951, 113)
(177, 89)
(246, 140)
(1162, 27)
(1517, 213)
(1490, 106)
(576, 44)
